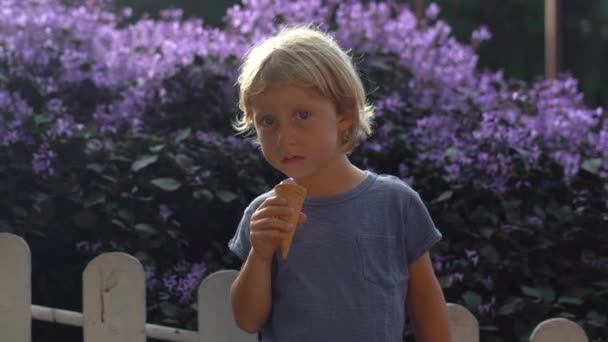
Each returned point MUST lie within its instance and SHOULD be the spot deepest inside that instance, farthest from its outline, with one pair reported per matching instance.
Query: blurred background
(517, 28)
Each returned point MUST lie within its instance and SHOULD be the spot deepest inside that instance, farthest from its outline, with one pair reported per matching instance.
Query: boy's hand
(267, 230)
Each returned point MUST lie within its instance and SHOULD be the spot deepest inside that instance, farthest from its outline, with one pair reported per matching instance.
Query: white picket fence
(114, 307)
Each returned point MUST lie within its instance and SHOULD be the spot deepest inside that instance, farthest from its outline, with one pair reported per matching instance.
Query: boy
(359, 256)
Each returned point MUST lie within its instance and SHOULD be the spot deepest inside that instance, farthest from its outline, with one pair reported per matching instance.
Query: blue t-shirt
(346, 275)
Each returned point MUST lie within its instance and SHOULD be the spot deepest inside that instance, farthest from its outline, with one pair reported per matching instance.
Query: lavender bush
(116, 136)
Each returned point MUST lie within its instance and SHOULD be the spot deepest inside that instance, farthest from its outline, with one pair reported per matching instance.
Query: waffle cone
(294, 194)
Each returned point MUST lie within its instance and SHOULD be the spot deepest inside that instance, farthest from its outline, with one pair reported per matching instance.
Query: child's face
(298, 130)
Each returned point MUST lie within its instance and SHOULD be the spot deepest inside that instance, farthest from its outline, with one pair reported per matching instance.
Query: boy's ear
(345, 119)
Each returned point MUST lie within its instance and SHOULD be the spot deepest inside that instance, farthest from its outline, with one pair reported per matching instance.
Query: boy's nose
(286, 135)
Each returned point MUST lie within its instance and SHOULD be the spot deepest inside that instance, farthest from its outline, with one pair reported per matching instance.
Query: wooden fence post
(15, 289)
(114, 307)
(552, 48)
(114, 299)
(558, 330)
(215, 321)
(419, 8)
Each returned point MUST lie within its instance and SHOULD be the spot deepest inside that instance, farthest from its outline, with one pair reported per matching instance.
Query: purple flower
(165, 212)
(590, 259)
(454, 278)
(438, 263)
(432, 11)
(170, 282)
(185, 280)
(507, 228)
(488, 283)
(151, 280)
(463, 121)
(487, 309)
(206, 138)
(472, 256)
(88, 247)
(481, 34)
(42, 162)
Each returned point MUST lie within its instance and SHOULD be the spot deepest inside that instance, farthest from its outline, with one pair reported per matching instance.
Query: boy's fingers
(271, 223)
(302, 218)
(274, 235)
(273, 201)
(274, 211)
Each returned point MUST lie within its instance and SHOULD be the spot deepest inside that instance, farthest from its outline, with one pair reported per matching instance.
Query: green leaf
(592, 165)
(547, 294)
(157, 148)
(510, 306)
(169, 309)
(182, 135)
(443, 197)
(487, 232)
(471, 299)
(95, 167)
(19, 212)
(597, 319)
(94, 199)
(142, 256)
(95, 145)
(118, 223)
(569, 300)
(521, 151)
(143, 162)
(145, 228)
(167, 184)
(567, 315)
(451, 152)
(5, 227)
(531, 291)
(542, 293)
(490, 253)
(226, 196)
(564, 214)
(42, 119)
(123, 214)
(186, 163)
(109, 178)
(204, 193)
(145, 198)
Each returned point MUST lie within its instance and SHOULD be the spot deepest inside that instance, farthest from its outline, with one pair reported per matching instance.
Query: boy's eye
(266, 121)
(303, 115)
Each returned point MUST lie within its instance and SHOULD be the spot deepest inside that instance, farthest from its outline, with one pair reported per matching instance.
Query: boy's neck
(333, 180)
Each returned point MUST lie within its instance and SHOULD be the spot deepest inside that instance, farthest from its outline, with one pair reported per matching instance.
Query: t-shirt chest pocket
(382, 260)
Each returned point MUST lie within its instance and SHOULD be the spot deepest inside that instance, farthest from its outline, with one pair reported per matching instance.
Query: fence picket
(15, 289)
(215, 322)
(558, 330)
(114, 301)
(463, 325)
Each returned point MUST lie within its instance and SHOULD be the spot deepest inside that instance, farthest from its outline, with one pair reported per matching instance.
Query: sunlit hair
(305, 57)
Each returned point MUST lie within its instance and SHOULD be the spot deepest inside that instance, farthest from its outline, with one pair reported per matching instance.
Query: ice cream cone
(294, 194)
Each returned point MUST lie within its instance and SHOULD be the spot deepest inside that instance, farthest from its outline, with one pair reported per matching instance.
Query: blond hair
(304, 56)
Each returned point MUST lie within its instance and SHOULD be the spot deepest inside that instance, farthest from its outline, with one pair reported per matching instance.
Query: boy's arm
(425, 302)
(250, 294)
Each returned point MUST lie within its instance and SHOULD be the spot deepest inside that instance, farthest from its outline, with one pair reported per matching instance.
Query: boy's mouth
(291, 159)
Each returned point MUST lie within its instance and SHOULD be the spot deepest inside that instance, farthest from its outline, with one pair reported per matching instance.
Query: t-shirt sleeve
(240, 244)
(421, 233)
